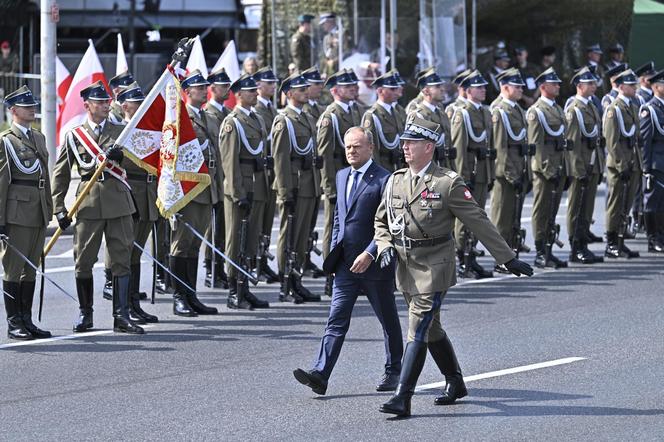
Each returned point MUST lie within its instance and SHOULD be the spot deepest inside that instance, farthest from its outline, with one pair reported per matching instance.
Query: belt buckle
(42, 182)
(101, 177)
(212, 164)
(150, 178)
(408, 243)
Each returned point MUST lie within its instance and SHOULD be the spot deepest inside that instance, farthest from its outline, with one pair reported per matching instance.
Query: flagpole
(48, 87)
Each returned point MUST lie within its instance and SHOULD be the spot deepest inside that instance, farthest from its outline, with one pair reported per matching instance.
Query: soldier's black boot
(479, 271)
(27, 290)
(194, 302)
(208, 272)
(655, 243)
(236, 298)
(592, 238)
(445, 357)
(253, 299)
(287, 294)
(302, 291)
(540, 254)
(84, 287)
(221, 278)
(266, 270)
(413, 362)
(329, 285)
(626, 251)
(135, 309)
(613, 246)
(312, 269)
(181, 305)
(15, 327)
(161, 284)
(107, 291)
(121, 321)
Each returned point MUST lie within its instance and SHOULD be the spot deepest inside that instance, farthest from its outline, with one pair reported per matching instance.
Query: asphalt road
(572, 354)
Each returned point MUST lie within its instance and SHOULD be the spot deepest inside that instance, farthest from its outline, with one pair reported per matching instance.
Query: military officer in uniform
(216, 112)
(185, 246)
(512, 159)
(412, 104)
(611, 75)
(621, 131)
(385, 123)
(413, 225)
(593, 58)
(652, 137)
(501, 61)
(528, 73)
(616, 55)
(586, 164)
(430, 109)
(546, 131)
(107, 210)
(26, 209)
(117, 85)
(301, 44)
(297, 182)
(461, 93)
(471, 136)
(245, 159)
(400, 111)
(644, 72)
(144, 190)
(332, 127)
(267, 85)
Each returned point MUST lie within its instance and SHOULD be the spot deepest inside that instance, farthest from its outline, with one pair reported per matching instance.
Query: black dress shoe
(592, 238)
(121, 325)
(556, 262)
(628, 253)
(160, 286)
(254, 301)
(311, 269)
(303, 292)
(268, 273)
(388, 382)
(655, 245)
(181, 306)
(312, 379)
(199, 307)
(453, 391)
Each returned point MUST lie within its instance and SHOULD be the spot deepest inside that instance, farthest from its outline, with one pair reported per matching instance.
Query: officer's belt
(259, 163)
(410, 243)
(143, 177)
(32, 183)
(102, 177)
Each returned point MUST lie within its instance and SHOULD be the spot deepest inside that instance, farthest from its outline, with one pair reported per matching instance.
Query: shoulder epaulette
(400, 171)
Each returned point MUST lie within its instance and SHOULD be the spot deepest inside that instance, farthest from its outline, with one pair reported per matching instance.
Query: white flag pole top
(73, 111)
(121, 60)
(228, 61)
(197, 58)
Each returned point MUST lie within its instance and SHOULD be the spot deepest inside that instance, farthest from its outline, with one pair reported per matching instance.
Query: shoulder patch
(570, 115)
(228, 128)
(367, 123)
(325, 122)
(645, 113)
(450, 173)
(531, 116)
(467, 195)
(495, 117)
(278, 125)
(610, 113)
(457, 119)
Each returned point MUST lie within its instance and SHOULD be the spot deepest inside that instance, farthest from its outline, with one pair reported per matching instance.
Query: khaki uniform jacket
(314, 110)
(203, 126)
(392, 125)
(107, 199)
(329, 145)
(624, 153)
(145, 193)
(550, 154)
(290, 176)
(216, 117)
(437, 116)
(510, 163)
(300, 50)
(268, 115)
(412, 104)
(438, 200)
(583, 147)
(468, 164)
(27, 206)
(449, 110)
(241, 174)
(116, 114)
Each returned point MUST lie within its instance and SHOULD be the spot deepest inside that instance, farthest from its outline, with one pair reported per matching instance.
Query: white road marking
(505, 372)
(62, 338)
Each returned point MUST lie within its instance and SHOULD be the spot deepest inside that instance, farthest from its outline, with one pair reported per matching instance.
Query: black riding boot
(192, 274)
(15, 327)
(413, 362)
(27, 290)
(135, 310)
(107, 292)
(445, 357)
(84, 287)
(302, 291)
(121, 321)
(266, 270)
(161, 284)
(181, 307)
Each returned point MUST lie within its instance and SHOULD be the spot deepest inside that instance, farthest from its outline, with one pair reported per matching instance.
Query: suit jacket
(353, 229)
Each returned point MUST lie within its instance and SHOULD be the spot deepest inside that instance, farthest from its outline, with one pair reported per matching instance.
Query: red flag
(62, 82)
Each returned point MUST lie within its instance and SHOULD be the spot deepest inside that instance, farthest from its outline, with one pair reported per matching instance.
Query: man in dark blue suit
(352, 261)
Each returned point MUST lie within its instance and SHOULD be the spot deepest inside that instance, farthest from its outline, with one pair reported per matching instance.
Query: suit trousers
(347, 288)
(30, 242)
(119, 235)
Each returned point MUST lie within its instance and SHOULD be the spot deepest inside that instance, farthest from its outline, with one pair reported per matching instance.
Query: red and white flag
(160, 139)
(73, 112)
(228, 60)
(62, 82)
(121, 64)
(197, 59)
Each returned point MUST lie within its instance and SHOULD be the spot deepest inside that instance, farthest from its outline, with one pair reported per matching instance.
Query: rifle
(625, 212)
(291, 254)
(312, 244)
(243, 259)
(577, 234)
(468, 242)
(519, 232)
(553, 229)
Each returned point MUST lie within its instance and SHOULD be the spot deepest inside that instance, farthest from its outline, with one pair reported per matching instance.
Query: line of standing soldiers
(261, 161)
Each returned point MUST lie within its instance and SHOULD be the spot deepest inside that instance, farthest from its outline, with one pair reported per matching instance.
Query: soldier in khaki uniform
(301, 44)
(400, 110)
(216, 113)
(117, 85)
(413, 225)
(245, 159)
(412, 104)
(332, 126)
(267, 86)
(185, 246)
(26, 209)
(144, 190)
(314, 109)
(472, 136)
(593, 57)
(546, 130)
(297, 182)
(461, 93)
(512, 159)
(624, 163)
(644, 93)
(107, 210)
(430, 109)
(611, 75)
(586, 164)
(385, 123)
(528, 73)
